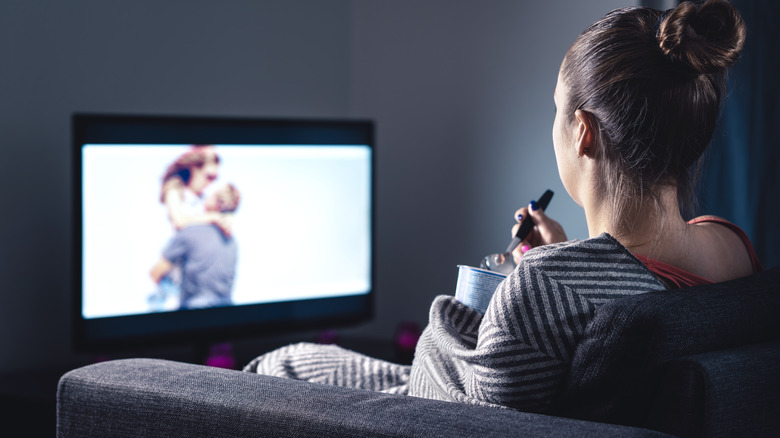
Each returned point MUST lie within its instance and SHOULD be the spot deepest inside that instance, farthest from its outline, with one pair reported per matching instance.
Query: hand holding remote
(505, 262)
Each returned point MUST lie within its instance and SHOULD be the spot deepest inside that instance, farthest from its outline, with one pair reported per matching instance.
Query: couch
(702, 361)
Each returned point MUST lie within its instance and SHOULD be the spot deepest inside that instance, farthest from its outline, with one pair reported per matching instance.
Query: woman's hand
(544, 232)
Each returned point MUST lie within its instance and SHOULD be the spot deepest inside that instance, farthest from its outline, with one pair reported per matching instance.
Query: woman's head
(194, 169)
(652, 84)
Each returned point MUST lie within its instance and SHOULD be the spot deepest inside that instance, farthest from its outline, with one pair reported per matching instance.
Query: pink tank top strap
(739, 232)
(676, 278)
(672, 276)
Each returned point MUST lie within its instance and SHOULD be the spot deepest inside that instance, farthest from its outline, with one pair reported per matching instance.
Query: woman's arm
(179, 220)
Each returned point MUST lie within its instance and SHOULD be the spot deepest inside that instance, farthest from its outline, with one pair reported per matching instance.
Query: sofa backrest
(618, 365)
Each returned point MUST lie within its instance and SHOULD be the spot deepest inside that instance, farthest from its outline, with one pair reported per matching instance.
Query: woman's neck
(655, 228)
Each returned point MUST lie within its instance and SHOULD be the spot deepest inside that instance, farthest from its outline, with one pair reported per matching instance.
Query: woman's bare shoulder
(720, 251)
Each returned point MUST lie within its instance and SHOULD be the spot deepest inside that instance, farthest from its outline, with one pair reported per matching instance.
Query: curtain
(741, 174)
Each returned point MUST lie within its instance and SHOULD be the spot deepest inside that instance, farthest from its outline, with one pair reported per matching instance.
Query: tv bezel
(218, 324)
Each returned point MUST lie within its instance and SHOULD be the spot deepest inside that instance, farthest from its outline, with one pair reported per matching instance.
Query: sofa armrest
(151, 397)
(734, 392)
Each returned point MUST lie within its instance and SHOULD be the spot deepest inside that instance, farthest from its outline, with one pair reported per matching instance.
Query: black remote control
(528, 223)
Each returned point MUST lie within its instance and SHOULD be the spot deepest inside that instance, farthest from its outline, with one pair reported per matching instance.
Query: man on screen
(207, 257)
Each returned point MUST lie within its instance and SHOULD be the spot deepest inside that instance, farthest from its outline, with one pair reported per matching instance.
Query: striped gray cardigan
(516, 355)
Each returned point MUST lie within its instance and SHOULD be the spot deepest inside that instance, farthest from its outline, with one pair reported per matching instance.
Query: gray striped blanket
(515, 355)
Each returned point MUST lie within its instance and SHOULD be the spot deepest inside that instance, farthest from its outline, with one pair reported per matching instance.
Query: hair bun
(707, 38)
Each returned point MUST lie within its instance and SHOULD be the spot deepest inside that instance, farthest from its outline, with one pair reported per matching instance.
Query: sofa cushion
(617, 367)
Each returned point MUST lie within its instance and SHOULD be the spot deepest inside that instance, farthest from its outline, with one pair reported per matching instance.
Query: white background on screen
(302, 229)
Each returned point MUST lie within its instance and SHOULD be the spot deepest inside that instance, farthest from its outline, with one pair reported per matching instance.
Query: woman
(183, 184)
(632, 122)
(182, 189)
(637, 98)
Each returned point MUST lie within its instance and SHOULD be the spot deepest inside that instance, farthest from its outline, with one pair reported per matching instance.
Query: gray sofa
(702, 361)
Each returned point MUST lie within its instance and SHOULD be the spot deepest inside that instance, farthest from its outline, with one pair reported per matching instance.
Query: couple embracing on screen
(197, 266)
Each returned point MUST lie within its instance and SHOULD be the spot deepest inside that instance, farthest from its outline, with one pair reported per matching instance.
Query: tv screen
(189, 229)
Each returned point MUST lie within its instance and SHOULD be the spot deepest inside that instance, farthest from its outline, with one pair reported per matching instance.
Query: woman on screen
(182, 192)
(183, 185)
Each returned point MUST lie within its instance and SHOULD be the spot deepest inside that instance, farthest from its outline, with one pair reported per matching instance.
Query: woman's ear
(585, 134)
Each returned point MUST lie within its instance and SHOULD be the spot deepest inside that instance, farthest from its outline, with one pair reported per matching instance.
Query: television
(160, 257)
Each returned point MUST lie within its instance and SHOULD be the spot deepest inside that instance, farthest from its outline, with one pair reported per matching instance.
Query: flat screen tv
(191, 229)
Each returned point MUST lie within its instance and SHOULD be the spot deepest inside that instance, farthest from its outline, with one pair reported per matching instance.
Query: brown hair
(178, 173)
(228, 198)
(653, 82)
